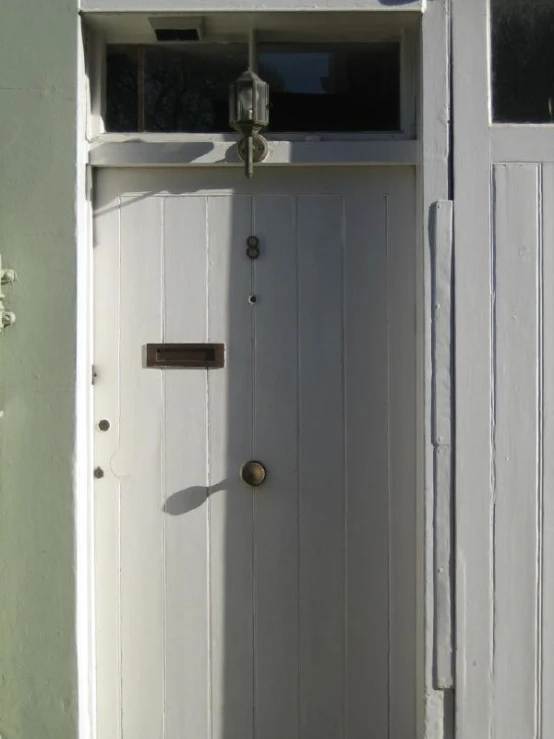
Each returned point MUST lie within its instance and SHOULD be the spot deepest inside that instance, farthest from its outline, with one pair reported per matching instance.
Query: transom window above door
(314, 87)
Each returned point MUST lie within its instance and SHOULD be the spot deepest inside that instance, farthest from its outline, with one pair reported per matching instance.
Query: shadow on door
(299, 572)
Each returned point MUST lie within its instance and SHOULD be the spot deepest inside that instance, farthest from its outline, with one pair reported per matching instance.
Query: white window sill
(177, 150)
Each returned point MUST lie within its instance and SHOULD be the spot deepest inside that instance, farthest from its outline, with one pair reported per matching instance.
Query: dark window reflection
(122, 88)
(523, 61)
(333, 87)
(323, 87)
(172, 89)
(187, 88)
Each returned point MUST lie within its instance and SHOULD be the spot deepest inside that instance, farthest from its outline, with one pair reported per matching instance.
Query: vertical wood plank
(473, 462)
(517, 351)
(432, 186)
(107, 490)
(139, 467)
(185, 458)
(276, 444)
(367, 513)
(442, 440)
(403, 563)
(442, 324)
(547, 280)
(322, 499)
(230, 446)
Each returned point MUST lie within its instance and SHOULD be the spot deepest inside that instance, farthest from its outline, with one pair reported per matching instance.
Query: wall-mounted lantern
(249, 114)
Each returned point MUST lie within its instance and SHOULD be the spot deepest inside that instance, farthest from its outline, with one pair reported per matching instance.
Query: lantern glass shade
(249, 102)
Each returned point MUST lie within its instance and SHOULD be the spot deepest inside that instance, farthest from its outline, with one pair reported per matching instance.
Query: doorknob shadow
(184, 501)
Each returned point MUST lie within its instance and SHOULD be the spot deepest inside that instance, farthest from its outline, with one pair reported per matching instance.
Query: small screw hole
(252, 299)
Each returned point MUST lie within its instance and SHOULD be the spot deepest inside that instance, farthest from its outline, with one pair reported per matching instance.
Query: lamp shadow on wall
(184, 501)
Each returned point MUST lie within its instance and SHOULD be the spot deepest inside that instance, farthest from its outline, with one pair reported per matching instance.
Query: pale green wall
(37, 369)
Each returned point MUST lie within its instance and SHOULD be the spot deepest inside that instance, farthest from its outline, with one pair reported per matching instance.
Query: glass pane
(187, 88)
(523, 61)
(122, 89)
(172, 89)
(313, 87)
(332, 87)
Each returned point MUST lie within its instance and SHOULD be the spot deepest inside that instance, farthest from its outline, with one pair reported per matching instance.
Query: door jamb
(84, 421)
(437, 719)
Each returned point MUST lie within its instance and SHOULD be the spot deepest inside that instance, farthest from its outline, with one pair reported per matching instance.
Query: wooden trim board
(523, 143)
(151, 153)
(473, 370)
(213, 6)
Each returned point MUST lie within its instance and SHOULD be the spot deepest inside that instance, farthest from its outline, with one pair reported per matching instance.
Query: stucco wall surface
(37, 369)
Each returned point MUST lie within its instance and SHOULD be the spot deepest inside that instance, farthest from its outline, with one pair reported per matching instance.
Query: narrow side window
(522, 61)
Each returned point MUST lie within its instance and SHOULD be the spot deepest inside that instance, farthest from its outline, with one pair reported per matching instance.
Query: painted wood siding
(522, 311)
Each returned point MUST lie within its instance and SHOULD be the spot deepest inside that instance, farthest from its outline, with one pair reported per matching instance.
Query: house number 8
(252, 247)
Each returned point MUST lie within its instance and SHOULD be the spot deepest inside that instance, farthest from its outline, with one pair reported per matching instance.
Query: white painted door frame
(433, 160)
(438, 719)
(218, 6)
(473, 388)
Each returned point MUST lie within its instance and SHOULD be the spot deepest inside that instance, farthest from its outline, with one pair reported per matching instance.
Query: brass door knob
(253, 473)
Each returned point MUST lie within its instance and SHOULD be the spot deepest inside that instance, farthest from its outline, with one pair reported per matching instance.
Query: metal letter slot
(185, 356)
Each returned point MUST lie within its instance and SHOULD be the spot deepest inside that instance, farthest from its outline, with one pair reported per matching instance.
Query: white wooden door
(288, 610)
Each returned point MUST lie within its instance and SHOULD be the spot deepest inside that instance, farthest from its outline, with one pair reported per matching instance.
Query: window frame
(406, 34)
(211, 6)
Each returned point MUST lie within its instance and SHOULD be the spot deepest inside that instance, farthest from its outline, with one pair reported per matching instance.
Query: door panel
(321, 444)
(230, 434)
(288, 610)
(367, 458)
(186, 536)
(275, 513)
(138, 465)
